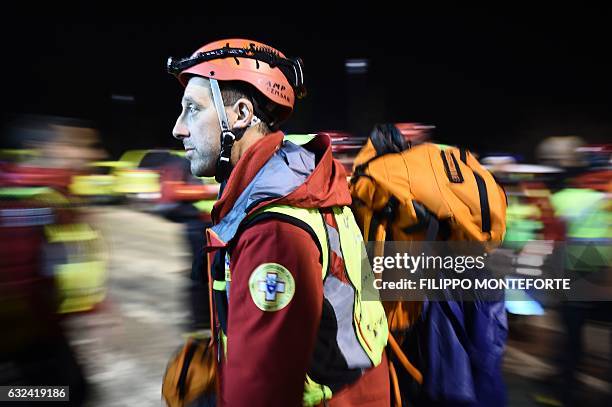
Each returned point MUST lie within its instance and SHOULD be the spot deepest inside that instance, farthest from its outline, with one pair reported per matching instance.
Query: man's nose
(180, 131)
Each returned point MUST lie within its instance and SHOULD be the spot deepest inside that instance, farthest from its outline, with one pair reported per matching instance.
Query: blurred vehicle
(160, 181)
(134, 183)
(172, 180)
(100, 182)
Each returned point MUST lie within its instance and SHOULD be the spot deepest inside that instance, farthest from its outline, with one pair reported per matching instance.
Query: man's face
(198, 127)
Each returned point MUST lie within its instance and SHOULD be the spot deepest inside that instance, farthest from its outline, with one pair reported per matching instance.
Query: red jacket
(269, 352)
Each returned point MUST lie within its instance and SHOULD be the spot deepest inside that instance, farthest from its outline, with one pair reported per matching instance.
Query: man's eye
(192, 109)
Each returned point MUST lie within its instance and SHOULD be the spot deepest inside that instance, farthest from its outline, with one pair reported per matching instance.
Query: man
(290, 327)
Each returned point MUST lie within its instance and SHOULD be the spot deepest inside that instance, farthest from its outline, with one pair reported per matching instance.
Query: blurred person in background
(581, 199)
(34, 348)
(50, 143)
(275, 318)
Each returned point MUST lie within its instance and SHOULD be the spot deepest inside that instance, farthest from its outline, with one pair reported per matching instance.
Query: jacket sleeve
(268, 352)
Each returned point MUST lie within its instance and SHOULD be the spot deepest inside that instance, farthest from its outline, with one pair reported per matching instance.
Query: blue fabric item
(447, 369)
(284, 172)
(458, 346)
(462, 345)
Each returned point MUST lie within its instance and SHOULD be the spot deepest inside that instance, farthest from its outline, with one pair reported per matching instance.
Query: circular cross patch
(272, 286)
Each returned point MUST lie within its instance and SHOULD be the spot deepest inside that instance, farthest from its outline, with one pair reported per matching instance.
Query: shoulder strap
(259, 217)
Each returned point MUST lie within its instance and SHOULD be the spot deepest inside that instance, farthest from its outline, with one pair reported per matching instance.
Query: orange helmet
(278, 78)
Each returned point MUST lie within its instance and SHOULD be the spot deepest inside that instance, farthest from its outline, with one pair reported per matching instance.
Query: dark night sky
(487, 81)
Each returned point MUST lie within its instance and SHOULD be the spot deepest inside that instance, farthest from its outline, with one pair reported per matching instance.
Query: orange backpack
(423, 193)
(401, 193)
(428, 179)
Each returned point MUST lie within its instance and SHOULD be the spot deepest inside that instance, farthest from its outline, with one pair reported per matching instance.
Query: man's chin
(200, 171)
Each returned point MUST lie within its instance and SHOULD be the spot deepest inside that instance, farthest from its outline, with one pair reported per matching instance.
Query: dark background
(488, 81)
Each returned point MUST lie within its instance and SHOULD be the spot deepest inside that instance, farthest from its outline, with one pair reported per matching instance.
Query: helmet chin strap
(228, 137)
(224, 167)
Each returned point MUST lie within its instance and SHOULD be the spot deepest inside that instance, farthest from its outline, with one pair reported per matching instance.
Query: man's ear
(243, 111)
